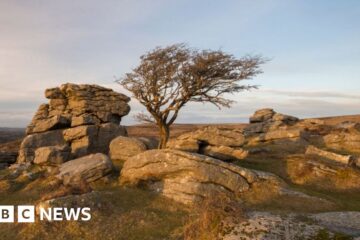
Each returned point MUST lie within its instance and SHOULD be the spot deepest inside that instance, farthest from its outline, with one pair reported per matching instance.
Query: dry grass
(344, 200)
(117, 213)
(213, 218)
(121, 214)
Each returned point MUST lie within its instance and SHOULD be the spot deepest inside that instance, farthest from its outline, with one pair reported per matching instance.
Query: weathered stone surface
(34, 141)
(53, 155)
(54, 93)
(43, 125)
(107, 132)
(267, 120)
(122, 148)
(348, 126)
(188, 177)
(345, 222)
(87, 118)
(270, 226)
(319, 172)
(188, 145)
(262, 115)
(78, 132)
(81, 147)
(344, 140)
(89, 168)
(74, 105)
(225, 153)
(216, 136)
(343, 159)
(280, 134)
(284, 118)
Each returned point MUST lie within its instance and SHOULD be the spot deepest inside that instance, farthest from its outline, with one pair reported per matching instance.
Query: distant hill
(338, 119)
(11, 134)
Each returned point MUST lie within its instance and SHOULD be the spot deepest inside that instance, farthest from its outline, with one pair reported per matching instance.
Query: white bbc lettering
(26, 214)
(86, 212)
(57, 214)
(45, 213)
(72, 213)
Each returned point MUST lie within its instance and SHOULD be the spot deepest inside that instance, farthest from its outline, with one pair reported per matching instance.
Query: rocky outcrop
(272, 131)
(72, 105)
(216, 136)
(344, 140)
(123, 148)
(88, 169)
(267, 120)
(83, 117)
(189, 177)
(222, 143)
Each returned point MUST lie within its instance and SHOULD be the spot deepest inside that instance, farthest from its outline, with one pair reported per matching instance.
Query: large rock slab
(123, 148)
(216, 136)
(189, 177)
(338, 158)
(89, 169)
(281, 134)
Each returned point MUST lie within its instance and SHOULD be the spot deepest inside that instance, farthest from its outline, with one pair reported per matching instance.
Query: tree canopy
(169, 77)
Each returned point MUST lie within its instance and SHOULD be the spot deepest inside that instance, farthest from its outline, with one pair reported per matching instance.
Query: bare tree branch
(144, 118)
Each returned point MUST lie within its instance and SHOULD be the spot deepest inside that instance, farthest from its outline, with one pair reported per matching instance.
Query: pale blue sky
(314, 47)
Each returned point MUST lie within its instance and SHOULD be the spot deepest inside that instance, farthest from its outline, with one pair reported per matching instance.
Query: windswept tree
(170, 77)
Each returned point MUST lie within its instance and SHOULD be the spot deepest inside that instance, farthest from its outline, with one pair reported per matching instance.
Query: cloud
(47, 43)
(312, 94)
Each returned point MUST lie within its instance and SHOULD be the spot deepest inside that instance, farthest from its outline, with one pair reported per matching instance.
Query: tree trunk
(164, 135)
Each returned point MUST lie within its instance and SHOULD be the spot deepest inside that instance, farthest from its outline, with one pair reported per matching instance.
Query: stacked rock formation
(77, 121)
(275, 131)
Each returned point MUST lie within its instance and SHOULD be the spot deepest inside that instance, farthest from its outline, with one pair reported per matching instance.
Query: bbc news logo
(26, 214)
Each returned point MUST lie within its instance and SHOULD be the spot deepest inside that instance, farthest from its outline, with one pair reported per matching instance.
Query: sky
(313, 47)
